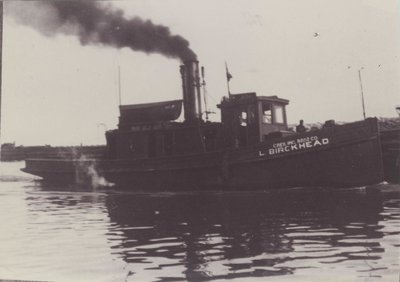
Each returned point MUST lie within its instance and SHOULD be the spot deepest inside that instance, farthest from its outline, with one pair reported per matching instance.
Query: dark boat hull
(390, 140)
(342, 156)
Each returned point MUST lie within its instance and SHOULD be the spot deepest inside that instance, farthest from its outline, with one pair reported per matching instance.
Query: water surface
(52, 233)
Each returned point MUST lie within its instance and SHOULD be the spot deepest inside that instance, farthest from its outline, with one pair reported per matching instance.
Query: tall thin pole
(362, 92)
(119, 85)
(1, 58)
(204, 92)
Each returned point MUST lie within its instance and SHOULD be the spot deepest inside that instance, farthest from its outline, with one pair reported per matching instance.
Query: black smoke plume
(96, 23)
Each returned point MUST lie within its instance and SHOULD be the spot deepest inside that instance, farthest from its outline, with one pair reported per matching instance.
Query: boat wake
(88, 173)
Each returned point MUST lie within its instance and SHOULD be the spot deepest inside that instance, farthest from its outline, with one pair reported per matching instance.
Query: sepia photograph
(229, 140)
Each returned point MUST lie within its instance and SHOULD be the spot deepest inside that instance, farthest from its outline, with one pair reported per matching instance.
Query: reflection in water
(77, 234)
(209, 236)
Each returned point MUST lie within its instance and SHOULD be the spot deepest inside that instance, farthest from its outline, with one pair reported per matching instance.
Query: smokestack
(191, 90)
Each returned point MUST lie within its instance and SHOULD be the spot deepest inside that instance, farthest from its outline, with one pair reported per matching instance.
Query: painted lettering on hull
(295, 145)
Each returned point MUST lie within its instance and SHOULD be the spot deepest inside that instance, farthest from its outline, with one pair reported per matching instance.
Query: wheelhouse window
(267, 113)
(279, 114)
(243, 119)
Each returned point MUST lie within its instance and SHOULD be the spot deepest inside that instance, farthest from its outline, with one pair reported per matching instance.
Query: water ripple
(72, 234)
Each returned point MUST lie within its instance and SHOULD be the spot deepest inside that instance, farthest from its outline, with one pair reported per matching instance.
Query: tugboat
(251, 148)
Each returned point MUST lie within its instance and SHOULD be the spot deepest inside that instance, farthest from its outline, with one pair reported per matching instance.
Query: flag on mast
(228, 74)
(228, 77)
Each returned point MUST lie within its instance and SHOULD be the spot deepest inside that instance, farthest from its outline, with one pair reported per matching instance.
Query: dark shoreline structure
(9, 152)
(250, 149)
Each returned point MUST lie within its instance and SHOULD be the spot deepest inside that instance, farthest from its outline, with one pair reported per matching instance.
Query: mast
(362, 91)
(204, 93)
(1, 58)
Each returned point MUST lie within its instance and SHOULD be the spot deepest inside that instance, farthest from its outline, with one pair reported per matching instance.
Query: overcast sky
(58, 92)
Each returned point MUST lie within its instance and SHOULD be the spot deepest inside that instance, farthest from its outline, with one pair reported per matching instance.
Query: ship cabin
(249, 119)
(152, 131)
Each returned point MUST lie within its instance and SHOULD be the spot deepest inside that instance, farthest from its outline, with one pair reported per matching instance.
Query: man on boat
(301, 128)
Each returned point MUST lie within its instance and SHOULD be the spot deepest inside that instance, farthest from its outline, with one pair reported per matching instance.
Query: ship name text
(295, 145)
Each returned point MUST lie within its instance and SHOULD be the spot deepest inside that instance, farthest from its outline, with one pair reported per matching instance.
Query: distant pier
(11, 152)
